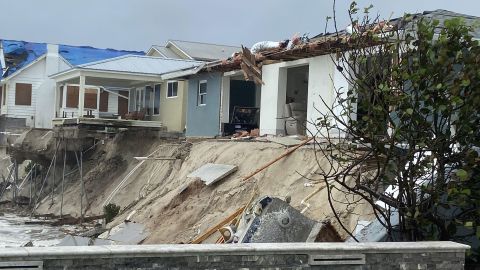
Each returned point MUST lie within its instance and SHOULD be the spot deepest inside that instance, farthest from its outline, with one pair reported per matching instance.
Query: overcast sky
(137, 24)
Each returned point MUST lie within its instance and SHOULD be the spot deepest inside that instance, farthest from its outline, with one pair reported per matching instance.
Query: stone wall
(294, 256)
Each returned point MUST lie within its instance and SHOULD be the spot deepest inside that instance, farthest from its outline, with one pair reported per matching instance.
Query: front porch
(107, 99)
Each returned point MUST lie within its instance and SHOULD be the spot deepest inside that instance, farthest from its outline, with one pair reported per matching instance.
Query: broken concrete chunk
(71, 240)
(272, 220)
(211, 173)
(127, 233)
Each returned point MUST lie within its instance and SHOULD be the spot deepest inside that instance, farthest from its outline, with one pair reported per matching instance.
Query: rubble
(272, 220)
(127, 233)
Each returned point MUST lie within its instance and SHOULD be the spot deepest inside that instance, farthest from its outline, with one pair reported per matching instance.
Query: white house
(27, 93)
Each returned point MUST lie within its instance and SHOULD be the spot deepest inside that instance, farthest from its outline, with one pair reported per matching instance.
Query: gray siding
(204, 121)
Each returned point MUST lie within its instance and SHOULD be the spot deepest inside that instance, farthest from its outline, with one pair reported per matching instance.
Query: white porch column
(64, 97)
(225, 101)
(98, 102)
(81, 96)
(273, 98)
(56, 101)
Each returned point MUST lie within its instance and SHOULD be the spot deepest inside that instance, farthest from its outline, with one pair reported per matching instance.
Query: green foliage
(413, 107)
(110, 211)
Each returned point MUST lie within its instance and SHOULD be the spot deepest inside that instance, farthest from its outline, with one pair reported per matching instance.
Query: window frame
(16, 92)
(168, 86)
(200, 95)
(159, 97)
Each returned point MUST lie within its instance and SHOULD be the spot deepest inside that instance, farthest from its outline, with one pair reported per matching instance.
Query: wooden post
(82, 186)
(288, 152)
(63, 175)
(15, 180)
(31, 184)
(54, 168)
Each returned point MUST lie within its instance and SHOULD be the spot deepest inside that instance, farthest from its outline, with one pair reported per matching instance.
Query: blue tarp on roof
(85, 54)
(20, 53)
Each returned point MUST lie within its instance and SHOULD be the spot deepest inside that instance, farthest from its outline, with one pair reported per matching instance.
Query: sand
(176, 209)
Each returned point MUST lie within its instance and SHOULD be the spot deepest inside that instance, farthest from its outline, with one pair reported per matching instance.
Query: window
(72, 96)
(156, 99)
(148, 97)
(23, 94)
(139, 99)
(172, 89)
(202, 93)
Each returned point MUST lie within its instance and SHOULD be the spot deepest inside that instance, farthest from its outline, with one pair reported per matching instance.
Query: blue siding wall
(204, 121)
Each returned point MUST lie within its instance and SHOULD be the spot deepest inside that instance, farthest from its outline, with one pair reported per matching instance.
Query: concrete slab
(127, 233)
(276, 222)
(71, 240)
(211, 173)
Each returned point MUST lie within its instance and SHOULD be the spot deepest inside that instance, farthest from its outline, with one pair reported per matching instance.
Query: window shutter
(72, 96)
(104, 101)
(23, 94)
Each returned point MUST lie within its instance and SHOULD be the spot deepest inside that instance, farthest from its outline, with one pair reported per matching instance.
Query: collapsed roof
(325, 44)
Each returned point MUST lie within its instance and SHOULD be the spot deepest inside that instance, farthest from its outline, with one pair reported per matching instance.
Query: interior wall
(297, 84)
(242, 94)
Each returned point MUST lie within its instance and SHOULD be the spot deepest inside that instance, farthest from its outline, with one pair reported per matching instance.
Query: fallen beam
(215, 228)
(277, 159)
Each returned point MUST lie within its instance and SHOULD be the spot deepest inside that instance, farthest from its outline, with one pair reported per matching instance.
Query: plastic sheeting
(18, 54)
(21, 53)
(78, 55)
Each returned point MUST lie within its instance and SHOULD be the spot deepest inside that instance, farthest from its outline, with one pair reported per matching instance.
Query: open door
(123, 104)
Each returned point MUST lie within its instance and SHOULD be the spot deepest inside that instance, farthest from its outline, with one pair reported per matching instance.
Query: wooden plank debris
(215, 228)
(291, 150)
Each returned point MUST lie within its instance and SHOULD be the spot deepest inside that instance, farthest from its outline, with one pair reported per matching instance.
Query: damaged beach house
(278, 87)
(47, 85)
(27, 92)
(135, 87)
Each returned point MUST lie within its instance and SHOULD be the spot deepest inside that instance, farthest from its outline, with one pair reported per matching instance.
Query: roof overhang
(108, 74)
(153, 49)
(182, 73)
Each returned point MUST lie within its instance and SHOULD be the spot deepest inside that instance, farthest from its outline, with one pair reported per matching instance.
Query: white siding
(112, 103)
(63, 65)
(34, 75)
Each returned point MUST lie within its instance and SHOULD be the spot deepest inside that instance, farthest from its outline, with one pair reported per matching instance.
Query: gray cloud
(136, 24)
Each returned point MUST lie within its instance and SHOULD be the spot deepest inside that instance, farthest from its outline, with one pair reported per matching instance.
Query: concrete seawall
(335, 256)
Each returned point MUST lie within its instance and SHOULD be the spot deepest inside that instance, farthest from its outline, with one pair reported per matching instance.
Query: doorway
(295, 111)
